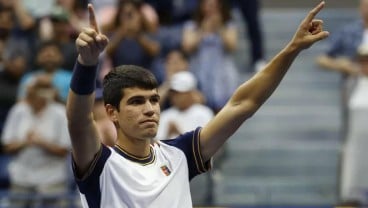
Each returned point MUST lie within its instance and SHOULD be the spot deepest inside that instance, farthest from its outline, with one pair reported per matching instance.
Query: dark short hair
(126, 76)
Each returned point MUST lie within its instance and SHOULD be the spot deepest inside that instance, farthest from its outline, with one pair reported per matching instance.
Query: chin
(150, 134)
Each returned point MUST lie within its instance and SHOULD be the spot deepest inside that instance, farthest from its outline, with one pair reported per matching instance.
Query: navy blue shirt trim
(90, 185)
(141, 160)
(189, 143)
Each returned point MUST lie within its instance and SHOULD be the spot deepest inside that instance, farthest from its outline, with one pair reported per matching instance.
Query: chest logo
(165, 170)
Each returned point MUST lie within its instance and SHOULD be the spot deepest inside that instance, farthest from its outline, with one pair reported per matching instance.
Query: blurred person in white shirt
(185, 113)
(36, 133)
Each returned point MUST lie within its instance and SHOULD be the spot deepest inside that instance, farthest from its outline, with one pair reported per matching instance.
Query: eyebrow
(156, 95)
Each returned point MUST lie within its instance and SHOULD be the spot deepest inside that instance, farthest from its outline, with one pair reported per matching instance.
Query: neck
(136, 147)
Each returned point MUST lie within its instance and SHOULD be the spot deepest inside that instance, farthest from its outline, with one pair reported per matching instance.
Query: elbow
(247, 108)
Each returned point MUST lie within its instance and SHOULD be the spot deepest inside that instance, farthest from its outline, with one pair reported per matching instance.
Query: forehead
(136, 91)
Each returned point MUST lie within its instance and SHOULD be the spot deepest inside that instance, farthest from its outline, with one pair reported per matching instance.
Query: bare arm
(341, 64)
(248, 98)
(51, 148)
(83, 132)
(14, 147)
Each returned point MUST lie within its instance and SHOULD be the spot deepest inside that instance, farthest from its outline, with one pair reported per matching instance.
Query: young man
(140, 172)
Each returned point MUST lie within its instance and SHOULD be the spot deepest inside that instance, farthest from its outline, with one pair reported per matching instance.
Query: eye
(155, 99)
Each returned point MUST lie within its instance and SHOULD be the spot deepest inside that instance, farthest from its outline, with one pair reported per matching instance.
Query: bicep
(219, 129)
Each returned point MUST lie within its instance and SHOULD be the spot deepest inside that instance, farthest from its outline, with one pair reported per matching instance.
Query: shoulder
(20, 107)
(183, 140)
(19, 110)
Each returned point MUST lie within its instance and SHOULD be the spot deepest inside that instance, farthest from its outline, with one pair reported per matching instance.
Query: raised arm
(252, 94)
(83, 132)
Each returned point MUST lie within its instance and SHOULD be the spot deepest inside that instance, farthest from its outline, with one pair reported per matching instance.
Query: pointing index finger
(314, 12)
(92, 18)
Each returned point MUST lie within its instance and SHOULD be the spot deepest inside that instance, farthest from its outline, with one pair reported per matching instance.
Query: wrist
(87, 63)
(292, 48)
(83, 80)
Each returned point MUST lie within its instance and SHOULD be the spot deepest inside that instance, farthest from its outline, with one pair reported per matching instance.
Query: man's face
(139, 113)
(181, 100)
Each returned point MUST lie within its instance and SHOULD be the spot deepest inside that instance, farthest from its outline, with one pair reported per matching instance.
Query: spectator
(355, 169)
(49, 59)
(340, 57)
(250, 12)
(210, 40)
(186, 113)
(129, 30)
(61, 32)
(344, 44)
(18, 27)
(176, 61)
(36, 133)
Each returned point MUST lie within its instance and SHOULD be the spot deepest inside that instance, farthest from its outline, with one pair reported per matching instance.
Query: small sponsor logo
(165, 170)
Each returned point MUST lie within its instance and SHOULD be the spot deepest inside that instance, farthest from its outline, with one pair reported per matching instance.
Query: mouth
(149, 121)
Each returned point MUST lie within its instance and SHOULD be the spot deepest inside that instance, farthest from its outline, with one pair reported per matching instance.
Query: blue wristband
(83, 80)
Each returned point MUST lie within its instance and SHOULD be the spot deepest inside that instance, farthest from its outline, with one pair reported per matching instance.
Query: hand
(310, 30)
(90, 42)
(34, 139)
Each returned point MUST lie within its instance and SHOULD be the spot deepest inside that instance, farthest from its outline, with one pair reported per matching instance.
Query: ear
(112, 113)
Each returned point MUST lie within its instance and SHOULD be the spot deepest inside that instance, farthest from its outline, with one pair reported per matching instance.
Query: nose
(148, 109)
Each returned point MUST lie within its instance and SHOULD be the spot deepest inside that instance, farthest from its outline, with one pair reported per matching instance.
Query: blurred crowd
(188, 45)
